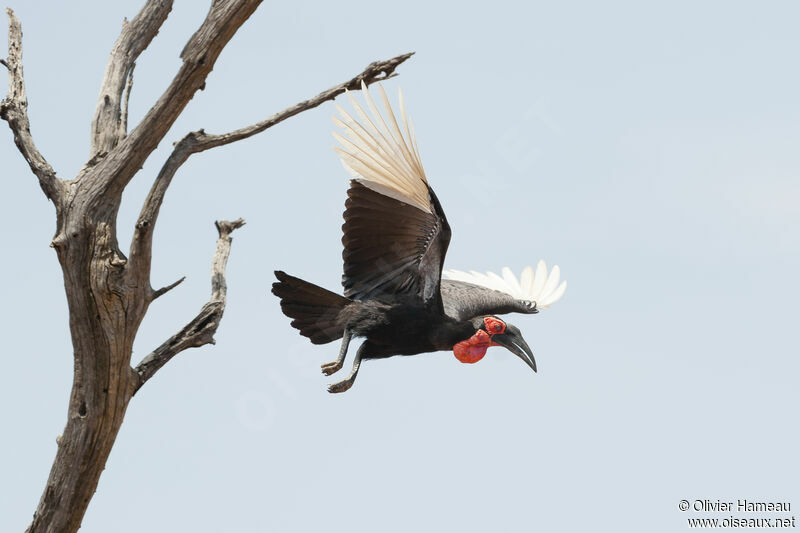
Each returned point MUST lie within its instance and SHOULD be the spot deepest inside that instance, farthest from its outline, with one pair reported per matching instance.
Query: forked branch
(201, 329)
(135, 37)
(198, 141)
(199, 56)
(14, 110)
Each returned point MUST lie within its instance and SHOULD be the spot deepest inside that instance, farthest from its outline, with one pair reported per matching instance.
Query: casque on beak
(512, 340)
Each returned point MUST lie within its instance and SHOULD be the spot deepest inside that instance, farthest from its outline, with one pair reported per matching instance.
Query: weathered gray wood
(108, 294)
(199, 141)
(201, 329)
(14, 110)
(134, 38)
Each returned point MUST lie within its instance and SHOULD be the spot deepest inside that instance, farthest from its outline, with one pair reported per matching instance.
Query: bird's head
(492, 331)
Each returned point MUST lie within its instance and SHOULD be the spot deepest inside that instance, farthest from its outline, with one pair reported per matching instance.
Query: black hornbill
(395, 240)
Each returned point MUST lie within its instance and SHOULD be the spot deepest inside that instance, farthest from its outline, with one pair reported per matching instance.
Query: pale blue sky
(648, 148)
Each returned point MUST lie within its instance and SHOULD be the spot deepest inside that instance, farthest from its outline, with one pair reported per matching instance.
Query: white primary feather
(540, 287)
(375, 151)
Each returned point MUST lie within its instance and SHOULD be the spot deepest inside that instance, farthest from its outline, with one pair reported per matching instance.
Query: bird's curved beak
(512, 340)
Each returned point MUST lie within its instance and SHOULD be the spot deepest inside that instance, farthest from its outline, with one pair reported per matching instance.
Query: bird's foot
(330, 368)
(342, 386)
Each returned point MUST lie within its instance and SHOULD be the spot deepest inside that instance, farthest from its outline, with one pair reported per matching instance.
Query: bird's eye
(494, 326)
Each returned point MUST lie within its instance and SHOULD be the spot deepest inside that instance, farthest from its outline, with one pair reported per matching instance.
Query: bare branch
(198, 141)
(3, 62)
(199, 56)
(201, 329)
(14, 110)
(134, 38)
(164, 290)
(376, 71)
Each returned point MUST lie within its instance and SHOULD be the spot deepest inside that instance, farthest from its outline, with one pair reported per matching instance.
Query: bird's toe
(342, 386)
(330, 368)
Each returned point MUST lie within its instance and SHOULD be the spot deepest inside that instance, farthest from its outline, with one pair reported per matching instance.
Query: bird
(395, 238)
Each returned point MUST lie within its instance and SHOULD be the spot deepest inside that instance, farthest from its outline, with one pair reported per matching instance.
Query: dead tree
(108, 292)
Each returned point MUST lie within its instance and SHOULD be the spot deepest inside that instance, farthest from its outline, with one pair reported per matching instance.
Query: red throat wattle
(473, 349)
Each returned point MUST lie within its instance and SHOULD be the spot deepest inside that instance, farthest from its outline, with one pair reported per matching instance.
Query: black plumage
(394, 294)
(394, 249)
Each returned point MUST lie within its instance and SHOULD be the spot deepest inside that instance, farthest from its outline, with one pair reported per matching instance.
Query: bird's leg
(335, 366)
(347, 383)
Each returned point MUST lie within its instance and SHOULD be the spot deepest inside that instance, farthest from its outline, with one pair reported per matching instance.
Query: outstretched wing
(469, 294)
(464, 301)
(395, 232)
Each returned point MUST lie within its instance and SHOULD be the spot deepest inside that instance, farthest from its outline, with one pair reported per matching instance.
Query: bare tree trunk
(108, 293)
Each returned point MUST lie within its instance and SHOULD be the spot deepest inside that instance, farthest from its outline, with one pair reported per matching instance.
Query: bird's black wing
(392, 250)
(464, 301)
(395, 232)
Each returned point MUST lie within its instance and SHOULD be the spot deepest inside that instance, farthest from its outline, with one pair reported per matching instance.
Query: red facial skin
(473, 349)
(494, 325)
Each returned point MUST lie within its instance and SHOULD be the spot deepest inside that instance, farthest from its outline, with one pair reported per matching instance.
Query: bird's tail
(315, 310)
